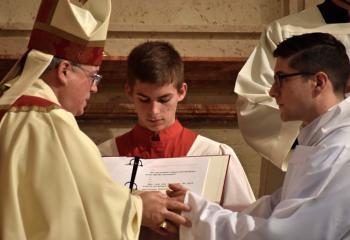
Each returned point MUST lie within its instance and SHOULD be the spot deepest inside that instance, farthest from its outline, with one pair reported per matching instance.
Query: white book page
(156, 174)
(119, 168)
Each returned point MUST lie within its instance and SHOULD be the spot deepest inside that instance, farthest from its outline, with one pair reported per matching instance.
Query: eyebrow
(279, 72)
(163, 96)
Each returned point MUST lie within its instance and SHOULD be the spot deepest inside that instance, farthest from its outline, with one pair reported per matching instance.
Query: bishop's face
(79, 86)
(156, 105)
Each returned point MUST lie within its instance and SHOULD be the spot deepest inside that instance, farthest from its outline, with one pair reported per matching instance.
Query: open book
(204, 175)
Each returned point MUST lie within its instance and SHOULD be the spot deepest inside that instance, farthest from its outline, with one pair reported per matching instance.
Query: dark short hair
(314, 52)
(53, 64)
(155, 62)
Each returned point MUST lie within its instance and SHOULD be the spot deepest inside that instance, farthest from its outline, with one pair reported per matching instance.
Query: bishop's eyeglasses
(95, 78)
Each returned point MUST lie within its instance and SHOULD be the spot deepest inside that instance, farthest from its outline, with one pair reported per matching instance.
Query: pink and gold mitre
(70, 32)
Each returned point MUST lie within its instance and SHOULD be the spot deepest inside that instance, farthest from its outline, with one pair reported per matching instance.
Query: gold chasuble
(53, 184)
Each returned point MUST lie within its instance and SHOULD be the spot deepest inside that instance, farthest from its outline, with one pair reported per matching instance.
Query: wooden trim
(184, 111)
(9, 57)
(211, 82)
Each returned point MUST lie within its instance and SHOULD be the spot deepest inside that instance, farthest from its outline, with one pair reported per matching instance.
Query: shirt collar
(319, 128)
(143, 134)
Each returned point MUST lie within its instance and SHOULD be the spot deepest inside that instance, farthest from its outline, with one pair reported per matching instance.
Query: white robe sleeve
(212, 222)
(313, 204)
(312, 219)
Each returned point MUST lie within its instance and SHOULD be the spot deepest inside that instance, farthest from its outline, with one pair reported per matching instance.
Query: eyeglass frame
(280, 77)
(95, 78)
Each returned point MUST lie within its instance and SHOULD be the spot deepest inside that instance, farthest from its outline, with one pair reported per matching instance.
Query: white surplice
(312, 203)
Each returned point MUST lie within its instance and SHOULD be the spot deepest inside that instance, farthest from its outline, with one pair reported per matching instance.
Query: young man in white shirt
(311, 72)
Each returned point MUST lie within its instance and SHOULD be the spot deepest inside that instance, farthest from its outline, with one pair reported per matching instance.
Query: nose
(274, 90)
(155, 107)
(93, 88)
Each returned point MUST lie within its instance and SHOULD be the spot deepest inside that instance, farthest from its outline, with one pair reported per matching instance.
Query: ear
(62, 72)
(128, 91)
(321, 80)
(182, 92)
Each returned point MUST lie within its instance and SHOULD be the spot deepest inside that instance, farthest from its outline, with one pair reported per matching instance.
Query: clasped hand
(159, 207)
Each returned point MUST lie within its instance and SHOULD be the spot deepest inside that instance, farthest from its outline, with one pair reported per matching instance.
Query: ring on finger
(163, 225)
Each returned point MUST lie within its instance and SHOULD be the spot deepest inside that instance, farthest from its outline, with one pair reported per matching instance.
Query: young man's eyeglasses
(280, 77)
(95, 78)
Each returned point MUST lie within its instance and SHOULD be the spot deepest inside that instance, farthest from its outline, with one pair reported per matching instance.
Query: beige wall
(197, 28)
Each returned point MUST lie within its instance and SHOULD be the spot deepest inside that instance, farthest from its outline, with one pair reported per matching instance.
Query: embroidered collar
(142, 134)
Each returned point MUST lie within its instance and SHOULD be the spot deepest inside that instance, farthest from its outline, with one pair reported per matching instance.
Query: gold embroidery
(33, 108)
(4, 107)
